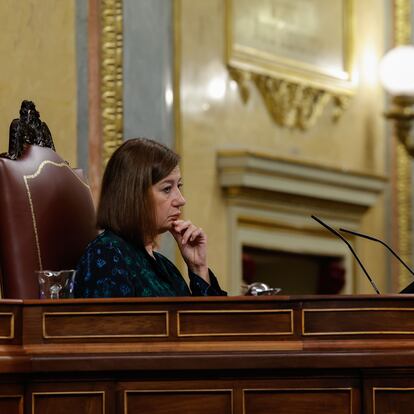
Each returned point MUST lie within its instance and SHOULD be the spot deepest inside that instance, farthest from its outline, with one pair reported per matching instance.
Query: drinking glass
(56, 284)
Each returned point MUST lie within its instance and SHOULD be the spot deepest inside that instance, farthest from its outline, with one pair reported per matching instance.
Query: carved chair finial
(28, 129)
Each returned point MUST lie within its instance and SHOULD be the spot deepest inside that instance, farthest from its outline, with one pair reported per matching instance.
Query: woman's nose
(179, 199)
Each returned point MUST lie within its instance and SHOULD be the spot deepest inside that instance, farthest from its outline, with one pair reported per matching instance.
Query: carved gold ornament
(281, 49)
(290, 104)
(111, 76)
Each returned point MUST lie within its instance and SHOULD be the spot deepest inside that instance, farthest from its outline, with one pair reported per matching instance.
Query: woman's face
(168, 200)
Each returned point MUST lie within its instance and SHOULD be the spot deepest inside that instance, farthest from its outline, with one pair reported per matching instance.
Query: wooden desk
(302, 354)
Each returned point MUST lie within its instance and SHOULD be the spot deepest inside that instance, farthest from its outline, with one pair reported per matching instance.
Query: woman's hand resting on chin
(192, 242)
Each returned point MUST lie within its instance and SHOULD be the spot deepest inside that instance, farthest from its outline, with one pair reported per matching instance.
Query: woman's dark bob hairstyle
(126, 206)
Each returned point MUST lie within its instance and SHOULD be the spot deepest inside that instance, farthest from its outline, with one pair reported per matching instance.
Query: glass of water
(56, 284)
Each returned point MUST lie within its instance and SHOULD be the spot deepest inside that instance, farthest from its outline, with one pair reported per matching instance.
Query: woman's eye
(166, 190)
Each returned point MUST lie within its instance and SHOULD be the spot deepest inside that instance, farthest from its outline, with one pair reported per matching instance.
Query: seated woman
(140, 199)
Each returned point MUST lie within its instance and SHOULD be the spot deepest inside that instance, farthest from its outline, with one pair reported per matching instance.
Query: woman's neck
(150, 249)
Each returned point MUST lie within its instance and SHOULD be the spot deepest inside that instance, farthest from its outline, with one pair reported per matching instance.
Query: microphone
(332, 230)
(409, 288)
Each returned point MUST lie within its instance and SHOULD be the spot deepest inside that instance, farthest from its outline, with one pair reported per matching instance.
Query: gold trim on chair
(29, 196)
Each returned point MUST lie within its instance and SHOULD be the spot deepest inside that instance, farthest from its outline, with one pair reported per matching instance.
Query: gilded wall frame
(111, 76)
(105, 86)
(403, 176)
(281, 45)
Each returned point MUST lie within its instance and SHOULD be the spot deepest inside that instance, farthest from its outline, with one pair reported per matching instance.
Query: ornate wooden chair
(47, 215)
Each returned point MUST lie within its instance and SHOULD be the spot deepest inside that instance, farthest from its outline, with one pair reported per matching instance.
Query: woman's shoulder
(110, 243)
(106, 244)
(109, 240)
(112, 248)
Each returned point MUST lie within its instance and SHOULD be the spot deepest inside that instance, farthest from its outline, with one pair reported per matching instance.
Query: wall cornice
(243, 170)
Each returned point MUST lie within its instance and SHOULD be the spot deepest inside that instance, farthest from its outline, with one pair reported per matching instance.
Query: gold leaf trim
(402, 22)
(111, 76)
(403, 180)
(29, 196)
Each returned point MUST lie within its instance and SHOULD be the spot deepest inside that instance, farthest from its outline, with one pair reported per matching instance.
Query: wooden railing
(302, 354)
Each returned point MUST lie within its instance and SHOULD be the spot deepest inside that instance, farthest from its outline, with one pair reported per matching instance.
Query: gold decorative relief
(111, 76)
(281, 48)
(295, 105)
(403, 180)
(242, 79)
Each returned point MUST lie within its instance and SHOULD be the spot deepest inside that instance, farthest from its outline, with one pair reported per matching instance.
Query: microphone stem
(355, 233)
(332, 230)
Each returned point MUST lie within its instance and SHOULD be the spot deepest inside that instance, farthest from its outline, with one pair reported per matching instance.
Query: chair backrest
(47, 216)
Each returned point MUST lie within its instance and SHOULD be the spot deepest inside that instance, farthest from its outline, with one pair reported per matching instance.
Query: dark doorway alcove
(295, 273)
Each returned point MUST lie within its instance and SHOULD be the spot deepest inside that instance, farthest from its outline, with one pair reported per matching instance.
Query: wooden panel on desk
(235, 322)
(10, 322)
(393, 400)
(92, 402)
(178, 402)
(116, 324)
(358, 321)
(298, 401)
(7, 329)
(11, 404)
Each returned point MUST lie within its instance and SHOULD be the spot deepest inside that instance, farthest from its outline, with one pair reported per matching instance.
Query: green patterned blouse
(111, 267)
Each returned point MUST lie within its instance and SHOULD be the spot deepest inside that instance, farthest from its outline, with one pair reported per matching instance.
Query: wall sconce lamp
(397, 77)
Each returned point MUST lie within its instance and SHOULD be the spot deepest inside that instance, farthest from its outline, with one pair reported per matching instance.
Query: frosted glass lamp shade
(397, 71)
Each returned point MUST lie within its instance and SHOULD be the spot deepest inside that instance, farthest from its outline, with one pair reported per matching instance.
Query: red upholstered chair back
(47, 217)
